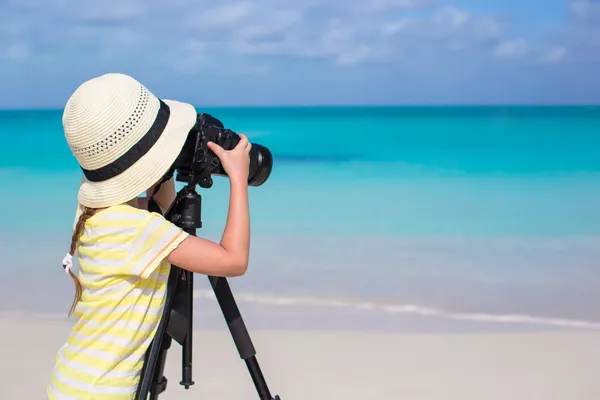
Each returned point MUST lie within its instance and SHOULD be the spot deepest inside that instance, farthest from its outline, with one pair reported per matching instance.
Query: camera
(198, 161)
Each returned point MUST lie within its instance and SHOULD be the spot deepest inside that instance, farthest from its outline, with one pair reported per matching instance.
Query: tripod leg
(240, 334)
(156, 354)
(186, 357)
(159, 382)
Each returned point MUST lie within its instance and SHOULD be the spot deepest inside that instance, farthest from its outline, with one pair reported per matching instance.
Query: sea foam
(396, 308)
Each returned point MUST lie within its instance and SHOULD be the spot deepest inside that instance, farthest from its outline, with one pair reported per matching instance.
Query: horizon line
(290, 106)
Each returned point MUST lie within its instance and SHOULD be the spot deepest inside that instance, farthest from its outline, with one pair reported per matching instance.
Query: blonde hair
(87, 213)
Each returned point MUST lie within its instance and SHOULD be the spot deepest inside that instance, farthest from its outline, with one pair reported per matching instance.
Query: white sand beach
(344, 365)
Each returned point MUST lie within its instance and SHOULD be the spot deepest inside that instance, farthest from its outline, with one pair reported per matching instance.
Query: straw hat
(123, 137)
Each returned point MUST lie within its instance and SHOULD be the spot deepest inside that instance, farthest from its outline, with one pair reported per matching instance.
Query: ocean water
(391, 217)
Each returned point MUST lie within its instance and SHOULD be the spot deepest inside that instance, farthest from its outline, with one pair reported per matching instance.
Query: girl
(125, 139)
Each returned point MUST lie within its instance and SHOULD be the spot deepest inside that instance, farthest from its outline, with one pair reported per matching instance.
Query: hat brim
(149, 169)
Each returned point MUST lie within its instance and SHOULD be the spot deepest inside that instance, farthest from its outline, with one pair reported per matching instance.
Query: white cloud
(389, 5)
(223, 16)
(488, 27)
(16, 51)
(12, 28)
(512, 48)
(554, 54)
(524, 50)
(279, 22)
(392, 28)
(585, 10)
(356, 56)
(451, 16)
(121, 10)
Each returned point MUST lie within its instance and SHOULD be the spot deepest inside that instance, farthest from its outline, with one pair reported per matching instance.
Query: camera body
(196, 161)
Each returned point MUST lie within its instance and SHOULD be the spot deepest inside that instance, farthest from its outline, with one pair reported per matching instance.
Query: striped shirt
(124, 275)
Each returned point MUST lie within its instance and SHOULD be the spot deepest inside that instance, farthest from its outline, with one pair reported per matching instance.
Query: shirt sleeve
(156, 239)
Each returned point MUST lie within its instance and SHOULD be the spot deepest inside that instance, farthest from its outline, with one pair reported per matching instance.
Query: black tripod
(177, 322)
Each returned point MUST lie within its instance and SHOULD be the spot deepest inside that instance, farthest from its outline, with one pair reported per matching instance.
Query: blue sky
(302, 52)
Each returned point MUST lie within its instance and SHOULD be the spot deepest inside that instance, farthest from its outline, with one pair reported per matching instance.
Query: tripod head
(186, 210)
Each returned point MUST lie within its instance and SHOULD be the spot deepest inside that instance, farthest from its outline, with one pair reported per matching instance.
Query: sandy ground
(343, 365)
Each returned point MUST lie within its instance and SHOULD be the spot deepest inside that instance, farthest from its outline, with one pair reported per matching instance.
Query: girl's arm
(228, 258)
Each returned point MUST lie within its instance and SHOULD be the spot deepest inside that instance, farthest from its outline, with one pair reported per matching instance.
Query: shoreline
(261, 314)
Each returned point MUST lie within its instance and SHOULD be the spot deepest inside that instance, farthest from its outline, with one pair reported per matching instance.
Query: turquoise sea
(387, 217)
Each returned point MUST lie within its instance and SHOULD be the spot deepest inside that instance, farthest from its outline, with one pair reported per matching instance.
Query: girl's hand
(236, 161)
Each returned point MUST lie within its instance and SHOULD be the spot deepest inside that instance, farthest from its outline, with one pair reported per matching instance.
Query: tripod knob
(206, 182)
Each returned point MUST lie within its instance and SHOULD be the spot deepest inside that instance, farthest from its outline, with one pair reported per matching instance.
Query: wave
(272, 300)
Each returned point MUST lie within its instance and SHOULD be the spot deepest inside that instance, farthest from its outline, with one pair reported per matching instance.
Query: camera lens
(261, 163)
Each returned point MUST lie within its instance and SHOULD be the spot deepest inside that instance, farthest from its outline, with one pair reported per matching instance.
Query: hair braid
(87, 213)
